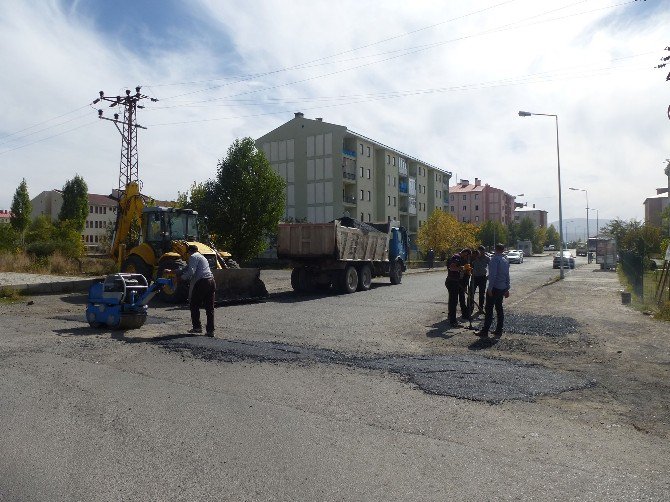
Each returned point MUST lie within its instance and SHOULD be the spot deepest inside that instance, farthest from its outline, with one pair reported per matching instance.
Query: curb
(46, 288)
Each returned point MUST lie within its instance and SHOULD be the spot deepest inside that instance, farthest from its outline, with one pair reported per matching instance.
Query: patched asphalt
(471, 377)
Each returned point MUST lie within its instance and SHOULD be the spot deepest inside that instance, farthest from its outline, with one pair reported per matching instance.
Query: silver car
(515, 256)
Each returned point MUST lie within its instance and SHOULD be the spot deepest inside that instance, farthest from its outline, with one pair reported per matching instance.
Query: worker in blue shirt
(202, 289)
(497, 290)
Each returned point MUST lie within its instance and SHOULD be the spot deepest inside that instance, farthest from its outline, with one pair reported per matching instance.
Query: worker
(480, 265)
(457, 277)
(202, 289)
(498, 288)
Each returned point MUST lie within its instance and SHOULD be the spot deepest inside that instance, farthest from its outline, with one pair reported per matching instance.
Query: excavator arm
(129, 210)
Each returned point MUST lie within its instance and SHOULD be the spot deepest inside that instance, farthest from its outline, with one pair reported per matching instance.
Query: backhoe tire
(396, 272)
(136, 265)
(364, 278)
(179, 294)
(349, 280)
(232, 263)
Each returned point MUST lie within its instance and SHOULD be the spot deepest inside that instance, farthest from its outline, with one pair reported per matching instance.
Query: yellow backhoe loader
(164, 236)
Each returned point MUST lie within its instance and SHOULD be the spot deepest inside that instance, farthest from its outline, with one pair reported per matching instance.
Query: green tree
(512, 233)
(552, 237)
(43, 238)
(21, 208)
(539, 238)
(244, 203)
(526, 230)
(75, 203)
(492, 232)
(9, 238)
(444, 234)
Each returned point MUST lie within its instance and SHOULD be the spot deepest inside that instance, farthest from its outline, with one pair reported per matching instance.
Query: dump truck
(606, 252)
(164, 235)
(345, 254)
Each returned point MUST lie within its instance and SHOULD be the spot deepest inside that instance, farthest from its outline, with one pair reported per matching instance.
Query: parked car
(515, 256)
(568, 260)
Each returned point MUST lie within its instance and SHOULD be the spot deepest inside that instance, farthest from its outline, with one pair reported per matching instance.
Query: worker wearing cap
(203, 289)
(497, 290)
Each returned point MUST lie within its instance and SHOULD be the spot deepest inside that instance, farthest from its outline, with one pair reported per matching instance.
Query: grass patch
(9, 295)
(56, 264)
(647, 301)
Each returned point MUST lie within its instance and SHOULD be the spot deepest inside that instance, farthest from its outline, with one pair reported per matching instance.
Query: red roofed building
(5, 216)
(477, 203)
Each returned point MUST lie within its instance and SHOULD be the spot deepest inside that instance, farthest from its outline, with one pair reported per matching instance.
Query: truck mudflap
(239, 285)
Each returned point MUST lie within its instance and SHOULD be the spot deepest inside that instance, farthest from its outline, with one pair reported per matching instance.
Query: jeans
(495, 300)
(203, 295)
(480, 282)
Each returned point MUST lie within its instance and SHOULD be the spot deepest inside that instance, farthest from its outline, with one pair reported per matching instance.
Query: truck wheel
(178, 294)
(396, 272)
(136, 265)
(364, 278)
(349, 280)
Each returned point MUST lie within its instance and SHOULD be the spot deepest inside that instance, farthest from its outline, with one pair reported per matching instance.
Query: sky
(442, 81)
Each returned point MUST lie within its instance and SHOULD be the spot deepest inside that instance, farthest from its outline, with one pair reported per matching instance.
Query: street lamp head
(524, 114)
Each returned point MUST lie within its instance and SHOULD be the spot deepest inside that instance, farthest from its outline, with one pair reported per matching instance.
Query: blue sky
(440, 80)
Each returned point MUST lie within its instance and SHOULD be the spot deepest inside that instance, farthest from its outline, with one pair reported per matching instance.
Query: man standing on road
(455, 275)
(497, 290)
(203, 289)
(480, 264)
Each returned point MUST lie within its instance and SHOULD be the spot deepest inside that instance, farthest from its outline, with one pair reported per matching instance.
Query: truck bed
(315, 241)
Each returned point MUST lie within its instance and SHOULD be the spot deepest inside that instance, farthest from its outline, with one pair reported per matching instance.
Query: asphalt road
(333, 397)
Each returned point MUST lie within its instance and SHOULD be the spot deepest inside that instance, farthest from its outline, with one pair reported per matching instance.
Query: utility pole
(129, 165)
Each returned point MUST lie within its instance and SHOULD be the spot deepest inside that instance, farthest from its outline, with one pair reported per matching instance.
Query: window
(362, 195)
(361, 172)
(388, 159)
(465, 197)
(420, 223)
(369, 218)
(369, 173)
(452, 209)
(368, 151)
(389, 201)
(394, 181)
(476, 196)
(369, 196)
(362, 217)
(394, 161)
(96, 238)
(96, 209)
(476, 207)
(463, 219)
(388, 219)
(104, 209)
(86, 223)
(393, 201)
(476, 218)
(90, 209)
(361, 145)
(465, 208)
(451, 197)
(388, 179)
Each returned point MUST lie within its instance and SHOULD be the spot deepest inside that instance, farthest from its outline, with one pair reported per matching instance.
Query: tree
(552, 237)
(512, 233)
(492, 232)
(526, 230)
(244, 203)
(444, 234)
(43, 238)
(75, 203)
(539, 238)
(21, 208)
(9, 238)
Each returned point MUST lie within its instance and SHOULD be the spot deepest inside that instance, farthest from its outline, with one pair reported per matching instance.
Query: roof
(460, 188)
(100, 200)
(5, 214)
(528, 209)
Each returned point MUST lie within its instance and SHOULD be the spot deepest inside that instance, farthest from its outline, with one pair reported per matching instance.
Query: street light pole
(588, 234)
(560, 204)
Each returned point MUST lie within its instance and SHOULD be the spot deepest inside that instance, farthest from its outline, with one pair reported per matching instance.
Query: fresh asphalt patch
(540, 325)
(472, 377)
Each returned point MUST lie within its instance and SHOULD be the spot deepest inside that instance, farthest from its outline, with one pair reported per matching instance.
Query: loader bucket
(239, 284)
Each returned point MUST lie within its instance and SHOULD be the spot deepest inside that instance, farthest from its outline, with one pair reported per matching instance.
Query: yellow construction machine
(164, 236)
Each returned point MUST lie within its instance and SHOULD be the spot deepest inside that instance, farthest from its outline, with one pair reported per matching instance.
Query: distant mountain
(574, 229)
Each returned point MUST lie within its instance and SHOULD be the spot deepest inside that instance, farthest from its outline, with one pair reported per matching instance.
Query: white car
(515, 256)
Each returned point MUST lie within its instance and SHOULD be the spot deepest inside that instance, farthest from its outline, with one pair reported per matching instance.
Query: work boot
(210, 334)
(497, 333)
(195, 330)
(482, 334)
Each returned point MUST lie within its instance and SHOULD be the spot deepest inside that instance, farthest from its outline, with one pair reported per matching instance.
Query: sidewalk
(39, 284)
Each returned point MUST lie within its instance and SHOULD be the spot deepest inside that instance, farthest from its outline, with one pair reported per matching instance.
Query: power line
(47, 138)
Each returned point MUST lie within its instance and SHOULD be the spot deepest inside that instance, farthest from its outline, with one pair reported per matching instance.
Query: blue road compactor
(120, 301)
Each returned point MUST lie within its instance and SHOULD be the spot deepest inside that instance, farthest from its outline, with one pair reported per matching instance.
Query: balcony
(403, 187)
(349, 200)
(348, 177)
(349, 153)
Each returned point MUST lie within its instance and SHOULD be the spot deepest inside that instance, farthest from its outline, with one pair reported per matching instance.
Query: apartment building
(332, 171)
(477, 203)
(5, 216)
(655, 205)
(101, 215)
(537, 216)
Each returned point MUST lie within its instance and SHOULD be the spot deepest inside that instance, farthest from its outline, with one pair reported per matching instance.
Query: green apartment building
(331, 171)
